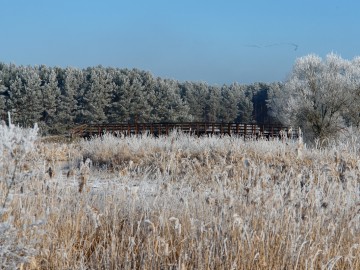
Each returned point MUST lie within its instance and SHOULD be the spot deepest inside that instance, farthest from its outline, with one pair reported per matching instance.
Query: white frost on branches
(15, 144)
(321, 95)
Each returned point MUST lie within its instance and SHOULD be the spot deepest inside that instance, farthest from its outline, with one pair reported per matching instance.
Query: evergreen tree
(245, 106)
(139, 107)
(25, 97)
(3, 92)
(229, 103)
(274, 90)
(70, 95)
(196, 96)
(60, 98)
(259, 92)
(2, 102)
(212, 105)
(50, 100)
(97, 96)
(145, 97)
(118, 111)
(168, 105)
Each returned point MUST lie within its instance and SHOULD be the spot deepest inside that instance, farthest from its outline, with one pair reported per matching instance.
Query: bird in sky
(294, 45)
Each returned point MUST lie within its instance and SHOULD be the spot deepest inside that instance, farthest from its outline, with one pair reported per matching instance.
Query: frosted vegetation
(59, 98)
(322, 96)
(178, 202)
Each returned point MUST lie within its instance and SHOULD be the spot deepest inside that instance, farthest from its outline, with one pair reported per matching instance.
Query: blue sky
(196, 40)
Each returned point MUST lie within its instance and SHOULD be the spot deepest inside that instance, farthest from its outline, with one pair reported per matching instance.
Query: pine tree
(97, 95)
(196, 95)
(70, 94)
(259, 93)
(274, 90)
(142, 96)
(3, 93)
(118, 111)
(245, 106)
(229, 103)
(50, 100)
(7, 73)
(2, 103)
(212, 108)
(140, 92)
(25, 97)
(168, 106)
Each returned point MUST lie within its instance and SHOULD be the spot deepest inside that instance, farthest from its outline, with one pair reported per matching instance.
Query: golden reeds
(180, 202)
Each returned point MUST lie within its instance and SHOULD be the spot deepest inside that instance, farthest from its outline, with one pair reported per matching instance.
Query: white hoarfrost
(321, 96)
(15, 144)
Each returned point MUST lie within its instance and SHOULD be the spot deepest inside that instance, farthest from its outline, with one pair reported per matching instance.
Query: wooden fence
(194, 128)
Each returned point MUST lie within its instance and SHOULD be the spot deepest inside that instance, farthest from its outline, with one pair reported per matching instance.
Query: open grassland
(181, 202)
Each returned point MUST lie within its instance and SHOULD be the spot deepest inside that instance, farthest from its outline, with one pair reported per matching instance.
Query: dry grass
(183, 202)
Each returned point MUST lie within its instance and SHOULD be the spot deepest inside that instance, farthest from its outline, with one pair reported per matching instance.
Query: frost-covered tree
(71, 92)
(245, 106)
(259, 93)
(351, 113)
(317, 94)
(25, 97)
(274, 91)
(213, 101)
(2, 98)
(229, 103)
(168, 104)
(50, 100)
(7, 75)
(60, 98)
(196, 95)
(120, 98)
(143, 96)
(97, 95)
(140, 91)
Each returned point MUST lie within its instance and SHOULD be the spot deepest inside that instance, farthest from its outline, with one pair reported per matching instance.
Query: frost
(15, 144)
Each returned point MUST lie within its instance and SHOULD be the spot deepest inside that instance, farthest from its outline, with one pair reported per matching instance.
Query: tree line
(60, 98)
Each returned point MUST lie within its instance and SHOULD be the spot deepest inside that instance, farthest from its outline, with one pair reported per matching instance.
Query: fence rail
(195, 128)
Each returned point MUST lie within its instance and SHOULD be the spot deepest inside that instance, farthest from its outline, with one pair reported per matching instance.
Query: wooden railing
(195, 128)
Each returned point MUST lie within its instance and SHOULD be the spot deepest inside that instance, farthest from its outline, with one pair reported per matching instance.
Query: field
(178, 202)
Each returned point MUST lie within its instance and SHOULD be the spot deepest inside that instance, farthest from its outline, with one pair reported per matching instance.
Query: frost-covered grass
(181, 202)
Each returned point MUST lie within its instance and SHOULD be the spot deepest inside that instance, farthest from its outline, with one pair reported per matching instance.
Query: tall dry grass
(182, 202)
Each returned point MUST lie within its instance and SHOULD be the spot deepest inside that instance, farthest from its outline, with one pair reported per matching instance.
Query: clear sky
(196, 40)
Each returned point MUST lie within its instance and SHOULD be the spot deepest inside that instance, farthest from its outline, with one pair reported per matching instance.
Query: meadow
(178, 202)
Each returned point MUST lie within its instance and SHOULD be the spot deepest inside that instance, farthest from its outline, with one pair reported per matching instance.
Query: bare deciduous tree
(317, 95)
